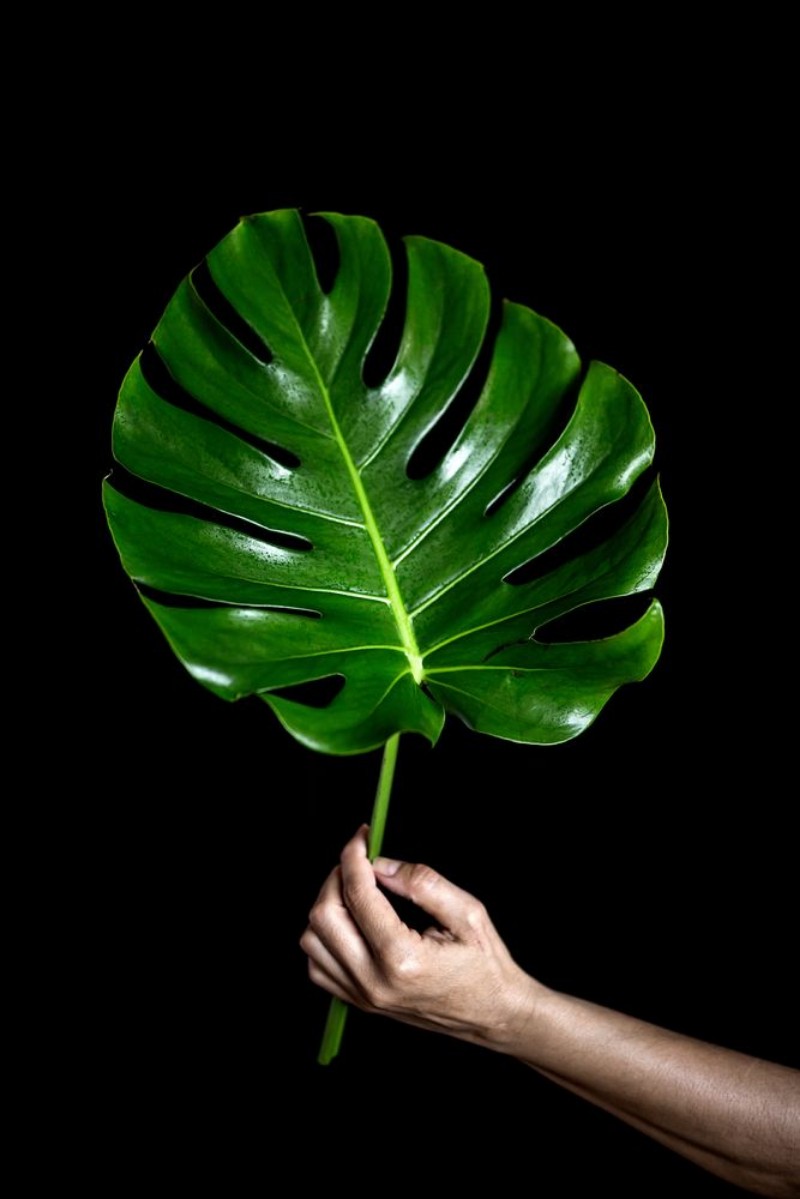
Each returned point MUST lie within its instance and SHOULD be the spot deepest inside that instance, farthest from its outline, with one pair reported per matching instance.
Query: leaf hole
(382, 354)
(157, 376)
(442, 435)
(492, 507)
(596, 621)
(316, 693)
(169, 599)
(161, 499)
(558, 422)
(322, 241)
(598, 528)
(221, 308)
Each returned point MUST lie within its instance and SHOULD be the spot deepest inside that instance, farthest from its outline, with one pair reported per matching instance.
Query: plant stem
(380, 808)
(337, 1012)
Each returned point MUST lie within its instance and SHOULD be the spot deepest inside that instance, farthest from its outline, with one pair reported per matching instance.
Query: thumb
(454, 909)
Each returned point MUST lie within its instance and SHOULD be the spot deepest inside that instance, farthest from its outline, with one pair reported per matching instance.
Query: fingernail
(386, 866)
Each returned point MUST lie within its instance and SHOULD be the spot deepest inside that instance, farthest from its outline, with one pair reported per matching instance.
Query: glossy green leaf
(313, 551)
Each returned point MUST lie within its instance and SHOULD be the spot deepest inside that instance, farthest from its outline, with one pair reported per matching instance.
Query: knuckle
(422, 880)
(318, 915)
(403, 967)
(476, 915)
(354, 894)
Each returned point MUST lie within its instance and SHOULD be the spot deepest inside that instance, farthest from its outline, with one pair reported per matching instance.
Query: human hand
(730, 1113)
(456, 977)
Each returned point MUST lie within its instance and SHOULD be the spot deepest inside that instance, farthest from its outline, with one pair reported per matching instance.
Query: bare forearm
(736, 1116)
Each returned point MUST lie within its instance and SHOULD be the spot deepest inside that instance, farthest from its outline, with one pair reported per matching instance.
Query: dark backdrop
(646, 865)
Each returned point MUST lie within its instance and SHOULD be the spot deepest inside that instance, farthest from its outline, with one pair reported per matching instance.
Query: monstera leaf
(283, 539)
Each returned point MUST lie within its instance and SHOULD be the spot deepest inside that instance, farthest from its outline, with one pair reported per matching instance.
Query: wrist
(512, 1030)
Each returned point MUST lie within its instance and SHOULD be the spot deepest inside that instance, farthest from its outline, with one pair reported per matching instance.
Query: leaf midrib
(401, 617)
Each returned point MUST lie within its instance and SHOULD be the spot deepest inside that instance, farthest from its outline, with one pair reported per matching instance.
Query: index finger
(369, 907)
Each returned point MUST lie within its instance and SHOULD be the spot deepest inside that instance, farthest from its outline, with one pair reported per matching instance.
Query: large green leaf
(346, 566)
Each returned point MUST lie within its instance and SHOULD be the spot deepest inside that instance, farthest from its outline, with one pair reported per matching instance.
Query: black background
(646, 865)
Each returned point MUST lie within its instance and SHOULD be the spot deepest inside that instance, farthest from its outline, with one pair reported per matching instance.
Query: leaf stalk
(337, 1012)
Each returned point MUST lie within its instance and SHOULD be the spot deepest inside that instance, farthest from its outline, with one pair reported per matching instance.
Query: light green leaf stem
(337, 1012)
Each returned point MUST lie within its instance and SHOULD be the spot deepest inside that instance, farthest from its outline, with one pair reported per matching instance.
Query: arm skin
(734, 1115)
